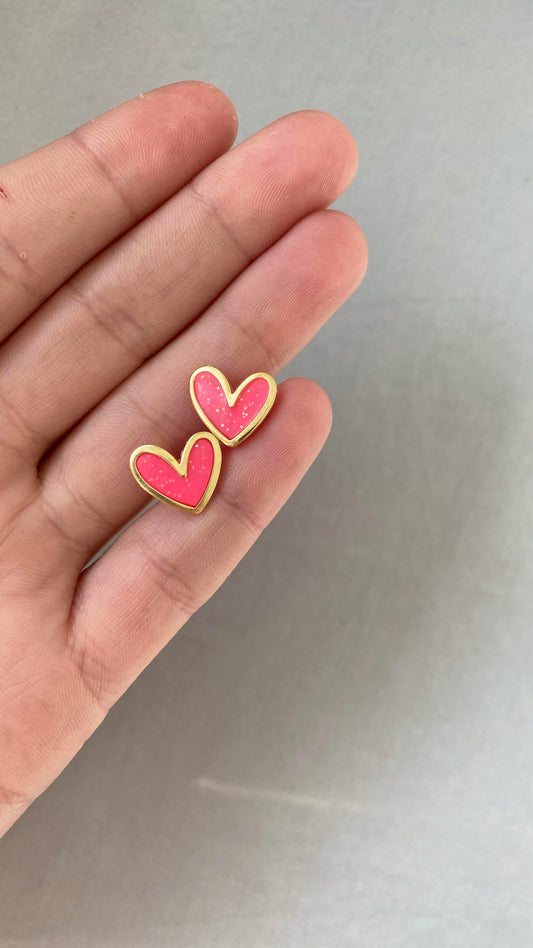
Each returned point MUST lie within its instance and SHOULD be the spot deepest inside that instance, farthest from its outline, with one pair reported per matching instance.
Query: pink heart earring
(231, 416)
(187, 482)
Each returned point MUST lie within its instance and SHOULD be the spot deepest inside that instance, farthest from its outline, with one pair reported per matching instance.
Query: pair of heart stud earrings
(231, 417)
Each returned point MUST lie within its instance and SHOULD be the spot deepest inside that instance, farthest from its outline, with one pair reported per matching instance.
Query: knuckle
(117, 323)
(215, 212)
(237, 510)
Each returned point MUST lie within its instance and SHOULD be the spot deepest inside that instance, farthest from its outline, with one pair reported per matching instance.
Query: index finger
(62, 204)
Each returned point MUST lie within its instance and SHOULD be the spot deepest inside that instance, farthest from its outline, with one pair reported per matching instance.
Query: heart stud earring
(231, 416)
(187, 482)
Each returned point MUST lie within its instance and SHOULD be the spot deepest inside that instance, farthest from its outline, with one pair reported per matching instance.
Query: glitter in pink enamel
(188, 490)
(230, 422)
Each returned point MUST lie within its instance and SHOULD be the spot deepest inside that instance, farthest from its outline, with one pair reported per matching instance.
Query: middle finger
(135, 296)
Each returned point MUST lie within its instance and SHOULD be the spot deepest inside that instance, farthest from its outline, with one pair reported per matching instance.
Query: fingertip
(309, 134)
(210, 94)
(351, 248)
(337, 127)
(331, 129)
(157, 111)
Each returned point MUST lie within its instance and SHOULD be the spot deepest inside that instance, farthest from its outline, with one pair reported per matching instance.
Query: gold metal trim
(181, 468)
(232, 398)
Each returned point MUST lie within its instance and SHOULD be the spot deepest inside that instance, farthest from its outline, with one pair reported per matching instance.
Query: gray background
(343, 756)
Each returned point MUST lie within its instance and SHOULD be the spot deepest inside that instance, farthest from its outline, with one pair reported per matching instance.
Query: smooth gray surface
(342, 756)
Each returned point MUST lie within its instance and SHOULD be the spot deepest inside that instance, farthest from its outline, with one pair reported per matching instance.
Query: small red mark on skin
(3, 194)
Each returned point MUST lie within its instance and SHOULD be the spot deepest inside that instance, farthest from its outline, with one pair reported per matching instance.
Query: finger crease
(171, 582)
(235, 510)
(251, 334)
(108, 320)
(13, 799)
(214, 208)
(10, 526)
(76, 136)
(28, 433)
(83, 505)
(67, 536)
(89, 681)
(163, 423)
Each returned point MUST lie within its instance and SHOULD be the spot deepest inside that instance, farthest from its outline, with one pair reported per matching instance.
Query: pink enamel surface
(212, 400)
(187, 490)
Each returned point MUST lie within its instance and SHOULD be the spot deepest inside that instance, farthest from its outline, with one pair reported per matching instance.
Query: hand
(133, 250)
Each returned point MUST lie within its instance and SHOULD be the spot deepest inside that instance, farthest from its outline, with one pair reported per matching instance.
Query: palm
(132, 251)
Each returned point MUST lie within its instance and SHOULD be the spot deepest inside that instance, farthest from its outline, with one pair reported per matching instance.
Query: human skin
(132, 250)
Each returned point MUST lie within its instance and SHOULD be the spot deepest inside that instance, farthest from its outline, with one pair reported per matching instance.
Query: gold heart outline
(181, 468)
(232, 398)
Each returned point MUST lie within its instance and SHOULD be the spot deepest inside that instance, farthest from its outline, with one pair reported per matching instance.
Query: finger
(259, 323)
(167, 563)
(64, 202)
(134, 298)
